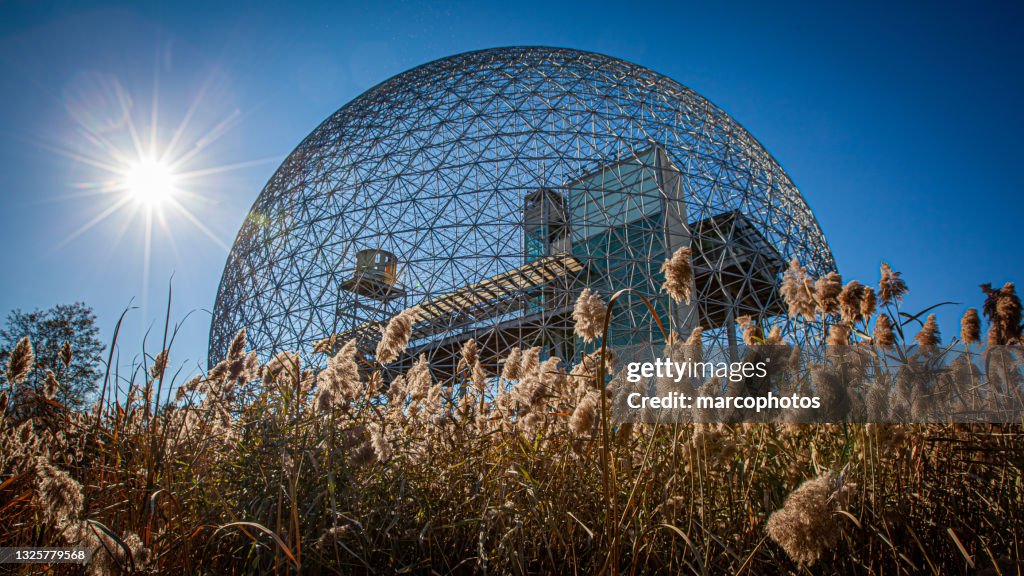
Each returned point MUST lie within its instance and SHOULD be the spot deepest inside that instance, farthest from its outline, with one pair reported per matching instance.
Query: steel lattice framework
(493, 185)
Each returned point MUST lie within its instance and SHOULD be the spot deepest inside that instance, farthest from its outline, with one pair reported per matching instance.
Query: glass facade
(613, 218)
(618, 224)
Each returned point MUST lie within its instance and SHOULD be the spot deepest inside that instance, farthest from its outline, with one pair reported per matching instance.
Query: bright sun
(150, 182)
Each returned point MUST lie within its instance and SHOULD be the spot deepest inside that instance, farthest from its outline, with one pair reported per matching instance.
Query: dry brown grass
(288, 468)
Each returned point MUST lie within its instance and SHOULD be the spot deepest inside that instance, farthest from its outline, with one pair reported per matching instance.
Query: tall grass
(283, 467)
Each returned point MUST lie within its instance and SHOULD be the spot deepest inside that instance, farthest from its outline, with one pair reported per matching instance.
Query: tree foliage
(66, 341)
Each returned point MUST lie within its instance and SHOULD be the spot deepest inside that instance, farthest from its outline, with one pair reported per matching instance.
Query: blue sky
(899, 123)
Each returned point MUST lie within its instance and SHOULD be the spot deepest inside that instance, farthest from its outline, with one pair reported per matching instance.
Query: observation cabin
(375, 275)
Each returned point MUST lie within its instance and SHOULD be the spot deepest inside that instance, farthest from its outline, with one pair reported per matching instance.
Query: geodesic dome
(487, 188)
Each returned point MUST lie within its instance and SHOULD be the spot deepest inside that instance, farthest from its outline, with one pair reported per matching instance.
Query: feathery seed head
(805, 526)
(21, 361)
(156, 371)
(332, 536)
(553, 377)
(891, 287)
(883, 334)
(379, 441)
(58, 495)
(478, 376)
(237, 347)
(283, 365)
(582, 419)
(839, 334)
(469, 355)
(396, 335)
(362, 455)
(752, 334)
(929, 333)
(339, 383)
(678, 272)
(530, 363)
(513, 364)
(1002, 307)
(798, 291)
(970, 327)
(65, 354)
(589, 315)
(851, 302)
(868, 302)
(50, 385)
(326, 345)
(826, 291)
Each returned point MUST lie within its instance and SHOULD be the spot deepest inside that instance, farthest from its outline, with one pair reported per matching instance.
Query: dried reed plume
(850, 302)
(233, 366)
(396, 336)
(326, 345)
(751, 332)
(65, 354)
(883, 334)
(929, 334)
(283, 366)
(247, 369)
(797, 290)
(156, 371)
(553, 377)
(107, 553)
(805, 526)
(774, 337)
(21, 362)
(50, 384)
(868, 303)
(678, 272)
(478, 376)
(839, 334)
(826, 292)
(891, 287)
(582, 419)
(237, 347)
(589, 315)
(1003, 309)
(538, 381)
(470, 355)
(530, 363)
(511, 369)
(380, 444)
(58, 495)
(417, 383)
(970, 327)
(339, 383)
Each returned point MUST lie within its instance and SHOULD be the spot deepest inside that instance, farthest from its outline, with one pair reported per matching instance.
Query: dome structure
(487, 189)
